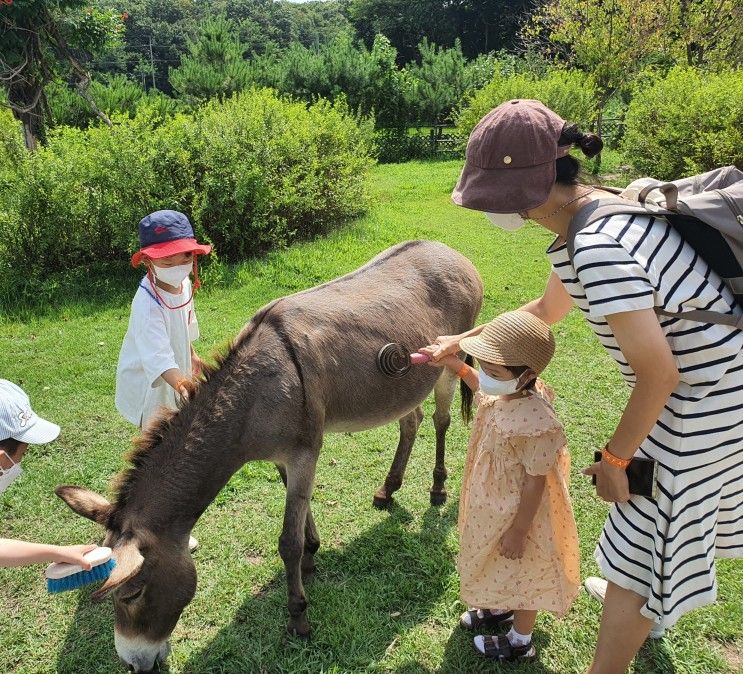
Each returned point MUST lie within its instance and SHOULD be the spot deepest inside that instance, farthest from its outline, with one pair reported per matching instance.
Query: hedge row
(253, 172)
(685, 123)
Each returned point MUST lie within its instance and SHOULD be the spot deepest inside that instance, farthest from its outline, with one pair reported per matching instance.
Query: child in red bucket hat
(157, 360)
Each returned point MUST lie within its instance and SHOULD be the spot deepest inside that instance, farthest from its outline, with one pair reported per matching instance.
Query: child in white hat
(518, 540)
(20, 427)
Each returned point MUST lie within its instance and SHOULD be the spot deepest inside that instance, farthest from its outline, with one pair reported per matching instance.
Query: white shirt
(157, 339)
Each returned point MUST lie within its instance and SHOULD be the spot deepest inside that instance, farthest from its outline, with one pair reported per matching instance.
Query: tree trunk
(26, 100)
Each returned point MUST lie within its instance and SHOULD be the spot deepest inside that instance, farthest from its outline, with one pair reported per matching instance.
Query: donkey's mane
(158, 428)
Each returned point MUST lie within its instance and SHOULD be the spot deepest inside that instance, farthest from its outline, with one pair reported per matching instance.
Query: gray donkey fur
(303, 366)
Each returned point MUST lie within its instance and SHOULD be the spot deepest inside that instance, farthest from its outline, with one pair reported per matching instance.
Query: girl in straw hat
(518, 541)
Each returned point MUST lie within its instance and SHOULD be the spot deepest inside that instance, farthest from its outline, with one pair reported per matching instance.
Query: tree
(156, 37)
(215, 65)
(40, 41)
(480, 25)
(614, 39)
(484, 26)
(404, 22)
(440, 81)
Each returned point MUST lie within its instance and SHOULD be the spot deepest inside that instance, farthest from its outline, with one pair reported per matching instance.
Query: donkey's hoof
(299, 628)
(438, 498)
(381, 500)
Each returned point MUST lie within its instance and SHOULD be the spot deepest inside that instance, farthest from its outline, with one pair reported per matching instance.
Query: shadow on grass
(364, 596)
(85, 289)
(88, 289)
(654, 658)
(89, 643)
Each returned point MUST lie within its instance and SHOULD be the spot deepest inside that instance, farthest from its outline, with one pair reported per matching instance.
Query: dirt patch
(733, 655)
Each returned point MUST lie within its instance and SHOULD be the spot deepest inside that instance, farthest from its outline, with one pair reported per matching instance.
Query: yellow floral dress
(511, 438)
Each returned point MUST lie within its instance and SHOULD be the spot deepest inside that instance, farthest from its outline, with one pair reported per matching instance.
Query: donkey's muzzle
(395, 360)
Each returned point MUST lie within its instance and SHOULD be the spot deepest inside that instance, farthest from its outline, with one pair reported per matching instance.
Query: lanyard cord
(159, 299)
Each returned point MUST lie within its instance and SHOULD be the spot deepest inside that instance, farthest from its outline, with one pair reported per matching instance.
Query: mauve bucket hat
(510, 158)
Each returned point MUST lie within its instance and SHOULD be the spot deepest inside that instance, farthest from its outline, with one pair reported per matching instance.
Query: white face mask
(501, 387)
(9, 475)
(508, 221)
(173, 276)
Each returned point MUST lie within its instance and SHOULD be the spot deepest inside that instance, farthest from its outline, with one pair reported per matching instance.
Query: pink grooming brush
(395, 360)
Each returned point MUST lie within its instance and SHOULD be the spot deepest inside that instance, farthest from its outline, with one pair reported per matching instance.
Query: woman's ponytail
(568, 168)
(589, 143)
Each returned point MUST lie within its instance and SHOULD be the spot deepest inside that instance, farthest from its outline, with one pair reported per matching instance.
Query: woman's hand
(445, 345)
(452, 362)
(512, 543)
(611, 482)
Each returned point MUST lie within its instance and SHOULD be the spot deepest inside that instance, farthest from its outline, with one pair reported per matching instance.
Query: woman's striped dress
(665, 550)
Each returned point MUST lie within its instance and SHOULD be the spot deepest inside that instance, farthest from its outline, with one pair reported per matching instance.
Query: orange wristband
(612, 460)
(463, 371)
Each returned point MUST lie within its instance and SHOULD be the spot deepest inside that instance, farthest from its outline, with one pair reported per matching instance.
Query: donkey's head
(153, 581)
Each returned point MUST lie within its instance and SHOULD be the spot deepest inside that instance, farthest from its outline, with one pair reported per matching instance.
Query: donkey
(303, 366)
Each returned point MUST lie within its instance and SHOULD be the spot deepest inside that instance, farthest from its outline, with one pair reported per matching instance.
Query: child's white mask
(497, 387)
(173, 276)
(9, 475)
(508, 221)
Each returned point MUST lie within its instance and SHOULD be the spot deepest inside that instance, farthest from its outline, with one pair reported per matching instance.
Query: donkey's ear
(85, 502)
(129, 562)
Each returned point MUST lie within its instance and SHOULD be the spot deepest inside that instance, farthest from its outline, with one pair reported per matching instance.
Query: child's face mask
(173, 276)
(501, 387)
(9, 475)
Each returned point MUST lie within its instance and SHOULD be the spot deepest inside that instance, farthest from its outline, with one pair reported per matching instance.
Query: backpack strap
(604, 208)
(701, 316)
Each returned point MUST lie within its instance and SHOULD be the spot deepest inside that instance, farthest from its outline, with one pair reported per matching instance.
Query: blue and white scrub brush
(62, 577)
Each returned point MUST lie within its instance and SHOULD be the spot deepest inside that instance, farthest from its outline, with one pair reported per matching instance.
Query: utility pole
(152, 66)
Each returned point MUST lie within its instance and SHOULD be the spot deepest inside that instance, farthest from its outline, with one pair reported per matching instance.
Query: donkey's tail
(466, 393)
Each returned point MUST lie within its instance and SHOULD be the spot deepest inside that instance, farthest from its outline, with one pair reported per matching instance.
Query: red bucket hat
(165, 233)
(510, 158)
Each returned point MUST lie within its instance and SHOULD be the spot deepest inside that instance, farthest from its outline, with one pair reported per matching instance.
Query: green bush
(686, 123)
(79, 199)
(569, 93)
(253, 172)
(272, 170)
(118, 95)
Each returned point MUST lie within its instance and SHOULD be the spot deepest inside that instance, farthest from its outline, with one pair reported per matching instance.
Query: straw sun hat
(513, 339)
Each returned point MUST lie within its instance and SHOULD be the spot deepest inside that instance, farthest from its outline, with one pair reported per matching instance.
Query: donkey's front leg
(311, 537)
(300, 474)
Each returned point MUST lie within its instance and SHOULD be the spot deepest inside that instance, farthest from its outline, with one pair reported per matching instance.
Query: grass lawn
(385, 598)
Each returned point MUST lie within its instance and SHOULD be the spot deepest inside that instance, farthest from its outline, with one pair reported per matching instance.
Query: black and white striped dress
(665, 550)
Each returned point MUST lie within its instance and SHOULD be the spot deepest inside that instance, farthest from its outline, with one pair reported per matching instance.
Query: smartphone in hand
(641, 474)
